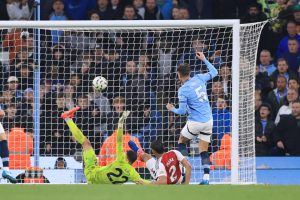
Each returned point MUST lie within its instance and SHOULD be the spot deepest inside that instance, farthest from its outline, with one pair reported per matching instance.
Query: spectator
(75, 81)
(296, 16)
(86, 118)
(87, 72)
(77, 10)
(293, 55)
(104, 10)
(283, 70)
(3, 10)
(221, 122)
(294, 84)
(13, 85)
(166, 8)
(93, 15)
(20, 146)
(286, 108)
(57, 15)
(217, 90)
(254, 14)
(258, 102)
(184, 13)
(286, 136)
(225, 74)
(26, 109)
(15, 41)
(198, 44)
(265, 62)
(130, 13)
(152, 11)
(148, 72)
(139, 6)
(278, 10)
(69, 92)
(151, 127)
(134, 88)
(60, 163)
(118, 104)
(26, 76)
(262, 80)
(6, 98)
(18, 10)
(275, 97)
(10, 117)
(117, 10)
(283, 44)
(58, 141)
(264, 128)
(175, 13)
(101, 108)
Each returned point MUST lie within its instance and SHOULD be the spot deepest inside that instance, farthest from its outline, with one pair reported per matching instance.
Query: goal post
(139, 59)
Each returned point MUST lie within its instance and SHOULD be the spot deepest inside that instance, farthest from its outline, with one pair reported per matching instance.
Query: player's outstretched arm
(213, 72)
(120, 131)
(139, 151)
(188, 170)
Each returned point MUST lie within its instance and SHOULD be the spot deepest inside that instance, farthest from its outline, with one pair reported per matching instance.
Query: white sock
(1, 128)
(206, 177)
(5, 168)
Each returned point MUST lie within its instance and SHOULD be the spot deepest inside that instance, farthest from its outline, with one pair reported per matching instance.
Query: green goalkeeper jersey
(120, 171)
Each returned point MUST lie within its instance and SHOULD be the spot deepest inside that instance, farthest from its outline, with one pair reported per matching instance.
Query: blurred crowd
(140, 67)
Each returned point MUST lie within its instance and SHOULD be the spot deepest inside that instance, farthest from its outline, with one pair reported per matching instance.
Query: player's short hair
(184, 69)
(157, 146)
(131, 156)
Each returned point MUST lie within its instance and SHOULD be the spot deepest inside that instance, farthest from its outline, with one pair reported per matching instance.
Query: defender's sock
(4, 153)
(182, 148)
(205, 164)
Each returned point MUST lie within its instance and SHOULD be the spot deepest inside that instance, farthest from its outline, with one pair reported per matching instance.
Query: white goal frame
(154, 24)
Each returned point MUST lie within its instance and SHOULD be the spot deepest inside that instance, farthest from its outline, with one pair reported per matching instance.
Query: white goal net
(48, 68)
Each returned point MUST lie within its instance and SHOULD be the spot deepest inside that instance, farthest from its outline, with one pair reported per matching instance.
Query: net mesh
(140, 67)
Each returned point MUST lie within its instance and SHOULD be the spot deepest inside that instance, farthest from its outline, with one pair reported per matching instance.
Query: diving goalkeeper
(120, 171)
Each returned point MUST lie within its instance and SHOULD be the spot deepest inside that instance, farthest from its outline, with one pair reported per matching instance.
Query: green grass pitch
(138, 192)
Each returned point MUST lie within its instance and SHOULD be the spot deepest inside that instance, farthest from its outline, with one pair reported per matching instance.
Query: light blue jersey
(193, 97)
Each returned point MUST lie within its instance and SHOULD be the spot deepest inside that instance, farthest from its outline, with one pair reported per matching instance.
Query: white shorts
(198, 129)
(152, 165)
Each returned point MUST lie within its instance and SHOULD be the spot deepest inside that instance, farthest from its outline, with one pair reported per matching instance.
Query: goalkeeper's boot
(136, 149)
(204, 182)
(7, 175)
(70, 113)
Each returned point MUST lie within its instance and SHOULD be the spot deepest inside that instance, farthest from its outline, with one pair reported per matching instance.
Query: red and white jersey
(170, 165)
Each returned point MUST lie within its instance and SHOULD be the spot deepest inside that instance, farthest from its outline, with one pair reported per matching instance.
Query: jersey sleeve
(179, 155)
(182, 96)
(213, 72)
(161, 171)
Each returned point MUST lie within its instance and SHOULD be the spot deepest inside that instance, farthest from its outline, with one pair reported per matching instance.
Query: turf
(132, 192)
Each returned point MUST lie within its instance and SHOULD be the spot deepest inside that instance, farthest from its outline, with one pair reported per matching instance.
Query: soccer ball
(99, 83)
